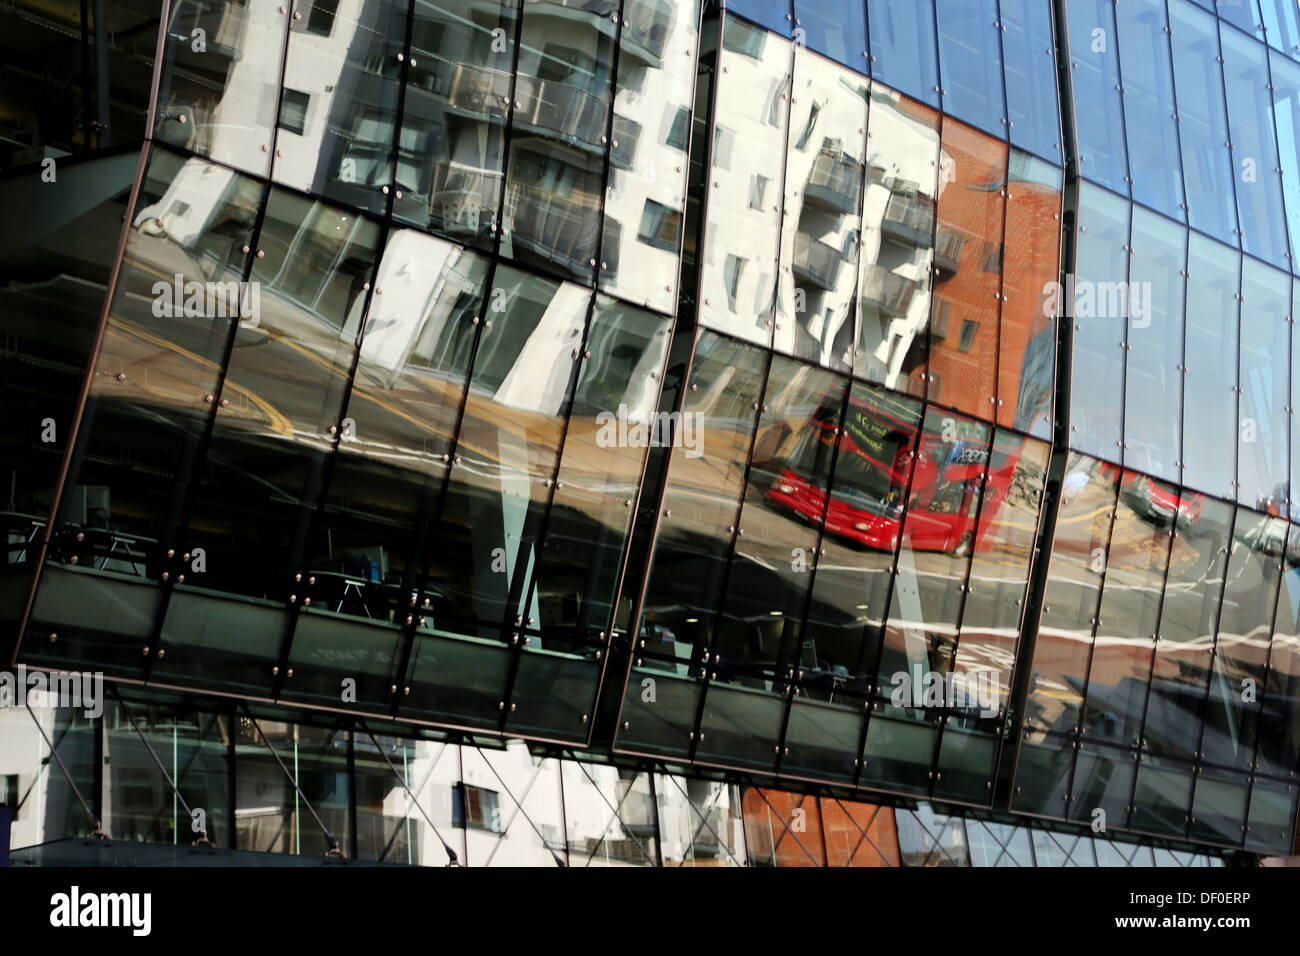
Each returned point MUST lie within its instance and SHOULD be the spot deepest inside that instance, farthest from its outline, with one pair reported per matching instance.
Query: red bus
(871, 477)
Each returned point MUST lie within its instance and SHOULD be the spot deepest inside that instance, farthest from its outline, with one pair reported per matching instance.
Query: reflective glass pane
(744, 183)
(1241, 650)
(1263, 458)
(646, 197)
(1279, 719)
(1210, 376)
(1219, 807)
(968, 271)
(1089, 493)
(555, 170)
(1027, 45)
(608, 816)
(1162, 796)
(1103, 781)
(992, 613)
(1149, 114)
(1270, 824)
(1203, 122)
(338, 106)
(1152, 379)
(823, 213)
(271, 813)
(218, 98)
(1030, 270)
(903, 49)
(1043, 770)
(1097, 304)
(697, 531)
(970, 62)
(1243, 14)
(773, 14)
(450, 148)
(1282, 26)
(1147, 512)
(898, 251)
(1180, 674)
(1254, 149)
(1098, 108)
(1286, 117)
(835, 28)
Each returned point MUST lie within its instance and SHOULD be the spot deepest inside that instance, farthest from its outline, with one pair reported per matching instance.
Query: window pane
(1210, 413)
(1203, 123)
(1149, 106)
(1098, 108)
(1027, 45)
(970, 62)
(835, 28)
(903, 52)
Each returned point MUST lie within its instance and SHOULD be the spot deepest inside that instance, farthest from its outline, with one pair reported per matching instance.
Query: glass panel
(970, 62)
(646, 197)
(1270, 826)
(554, 180)
(1089, 493)
(1243, 14)
(699, 822)
(743, 234)
(1286, 117)
(1254, 150)
(612, 421)
(697, 530)
(823, 213)
(1180, 673)
(1210, 378)
(1027, 350)
(1098, 107)
(1043, 770)
(405, 810)
(897, 242)
(1152, 379)
(1162, 796)
(1279, 719)
(48, 808)
(271, 798)
(1241, 648)
(1219, 807)
(282, 397)
(338, 107)
(508, 450)
(609, 815)
(1028, 46)
(1147, 513)
(1102, 785)
(450, 151)
(1149, 113)
(927, 838)
(191, 746)
(757, 652)
(968, 271)
(835, 28)
(992, 613)
(903, 49)
(1262, 453)
(997, 844)
(1097, 304)
(1203, 123)
(782, 829)
(510, 802)
(218, 98)
(1282, 26)
(773, 14)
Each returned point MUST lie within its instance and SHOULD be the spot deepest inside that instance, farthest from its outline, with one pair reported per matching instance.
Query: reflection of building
(477, 229)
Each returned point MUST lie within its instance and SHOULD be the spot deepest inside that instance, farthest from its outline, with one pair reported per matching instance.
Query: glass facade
(661, 421)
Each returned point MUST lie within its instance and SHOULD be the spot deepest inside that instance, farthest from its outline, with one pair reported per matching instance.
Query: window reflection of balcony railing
(888, 291)
(816, 261)
(648, 25)
(947, 252)
(835, 182)
(474, 89)
(622, 150)
(556, 227)
(568, 111)
(465, 200)
(909, 219)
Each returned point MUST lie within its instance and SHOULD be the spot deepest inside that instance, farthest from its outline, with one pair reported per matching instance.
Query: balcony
(835, 182)
(887, 291)
(816, 261)
(558, 228)
(909, 219)
(947, 253)
(464, 201)
(467, 87)
(567, 112)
